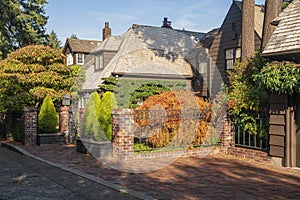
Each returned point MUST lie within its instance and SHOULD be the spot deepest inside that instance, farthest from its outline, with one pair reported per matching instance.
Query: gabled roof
(209, 37)
(141, 43)
(285, 39)
(111, 43)
(258, 17)
(82, 46)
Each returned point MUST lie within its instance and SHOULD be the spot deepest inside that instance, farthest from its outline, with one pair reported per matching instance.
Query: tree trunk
(248, 39)
(272, 10)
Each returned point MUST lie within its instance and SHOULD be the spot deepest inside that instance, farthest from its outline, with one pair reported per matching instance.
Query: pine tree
(22, 23)
(53, 40)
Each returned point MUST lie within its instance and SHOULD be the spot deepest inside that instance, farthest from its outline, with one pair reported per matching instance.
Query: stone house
(146, 52)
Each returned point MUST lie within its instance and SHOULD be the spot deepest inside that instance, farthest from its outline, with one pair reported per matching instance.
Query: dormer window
(99, 62)
(69, 59)
(79, 58)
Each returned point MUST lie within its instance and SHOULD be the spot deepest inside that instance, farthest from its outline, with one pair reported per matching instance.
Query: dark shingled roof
(285, 39)
(82, 46)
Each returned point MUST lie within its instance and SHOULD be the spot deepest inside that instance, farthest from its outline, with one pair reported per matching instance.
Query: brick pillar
(30, 120)
(227, 135)
(123, 136)
(64, 119)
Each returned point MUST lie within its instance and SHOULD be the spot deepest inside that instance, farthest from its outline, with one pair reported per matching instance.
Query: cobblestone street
(22, 177)
(212, 177)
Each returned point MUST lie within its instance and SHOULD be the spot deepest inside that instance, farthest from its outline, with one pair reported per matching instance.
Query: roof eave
(277, 53)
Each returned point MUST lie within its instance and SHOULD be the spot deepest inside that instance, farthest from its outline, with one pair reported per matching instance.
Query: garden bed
(50, 138)
(97, 149)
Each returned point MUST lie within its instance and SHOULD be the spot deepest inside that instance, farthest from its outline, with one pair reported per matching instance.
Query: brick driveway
(212, 177)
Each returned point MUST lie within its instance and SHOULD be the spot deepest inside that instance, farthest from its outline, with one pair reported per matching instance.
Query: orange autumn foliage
(181, 117)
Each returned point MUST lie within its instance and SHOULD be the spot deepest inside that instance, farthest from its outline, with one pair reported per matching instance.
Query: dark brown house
(284, 44)
(225, 49)
(77, 50)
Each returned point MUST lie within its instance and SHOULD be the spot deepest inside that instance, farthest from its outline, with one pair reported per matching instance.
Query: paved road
(22, 177)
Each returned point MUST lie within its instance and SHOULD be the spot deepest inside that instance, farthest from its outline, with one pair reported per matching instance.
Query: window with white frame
(69, 59)
(231, 56)
(79, 58)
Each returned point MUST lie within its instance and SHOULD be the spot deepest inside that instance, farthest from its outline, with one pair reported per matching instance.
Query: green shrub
(47, 119)
(90, 126)
(107, 104)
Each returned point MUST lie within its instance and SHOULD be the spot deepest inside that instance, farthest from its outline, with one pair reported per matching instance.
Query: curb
(139, 195)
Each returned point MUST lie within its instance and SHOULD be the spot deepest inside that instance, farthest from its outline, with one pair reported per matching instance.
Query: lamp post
(66, 100)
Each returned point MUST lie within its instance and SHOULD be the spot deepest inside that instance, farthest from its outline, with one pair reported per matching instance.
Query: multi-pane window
(231, 56)
(99, 61)
(80, 59)
(69, 59)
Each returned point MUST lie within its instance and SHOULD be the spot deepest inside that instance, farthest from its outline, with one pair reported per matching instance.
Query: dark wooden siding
(228, 37)
(278, 106)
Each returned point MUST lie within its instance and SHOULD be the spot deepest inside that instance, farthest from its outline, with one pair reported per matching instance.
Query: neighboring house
(77, 50)
(225, 49)
(284, 44)
(102, 55)
(147, 52)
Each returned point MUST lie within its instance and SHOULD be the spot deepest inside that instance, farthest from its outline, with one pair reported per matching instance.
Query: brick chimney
(106, 32)
(166, 23)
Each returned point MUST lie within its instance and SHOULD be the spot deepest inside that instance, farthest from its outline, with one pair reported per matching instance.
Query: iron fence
(257, 140)
(172, 129)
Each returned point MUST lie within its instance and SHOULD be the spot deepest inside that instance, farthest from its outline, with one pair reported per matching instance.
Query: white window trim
(77, 59)
(69, 59)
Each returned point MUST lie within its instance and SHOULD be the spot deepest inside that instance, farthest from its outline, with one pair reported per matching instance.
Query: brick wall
(123, 141)
(123, 136)
(30, 126)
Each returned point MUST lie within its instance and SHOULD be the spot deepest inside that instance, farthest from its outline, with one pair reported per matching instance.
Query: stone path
(212, 177)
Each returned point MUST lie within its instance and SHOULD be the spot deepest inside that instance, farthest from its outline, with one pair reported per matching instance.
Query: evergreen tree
(47, 119)
(22, 23)
(74, 36)
(90, 125)
(108, 103)
(53, 40)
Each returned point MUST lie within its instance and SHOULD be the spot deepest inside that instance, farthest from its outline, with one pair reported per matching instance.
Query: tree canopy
(31, 73)
(22, 22)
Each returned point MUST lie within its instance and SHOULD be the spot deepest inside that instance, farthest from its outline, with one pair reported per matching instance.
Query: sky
(86, 18)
